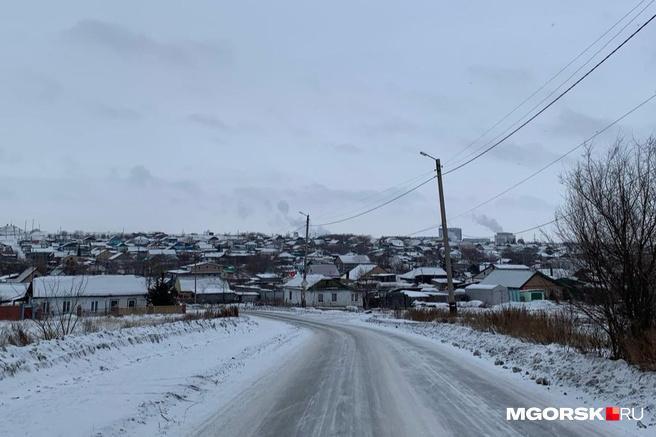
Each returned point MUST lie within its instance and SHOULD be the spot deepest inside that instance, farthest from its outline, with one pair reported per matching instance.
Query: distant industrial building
(502, 238)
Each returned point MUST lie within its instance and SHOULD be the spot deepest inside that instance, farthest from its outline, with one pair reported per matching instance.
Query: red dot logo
(612, 413)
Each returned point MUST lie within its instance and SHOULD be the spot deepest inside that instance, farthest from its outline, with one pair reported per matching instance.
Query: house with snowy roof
(423, 275)
(349, 261)
(320, 291)
(206, 290)
(524, 284)
(99, 294)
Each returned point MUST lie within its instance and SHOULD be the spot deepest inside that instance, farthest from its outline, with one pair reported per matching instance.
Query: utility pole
(305, 283)
(453, 308)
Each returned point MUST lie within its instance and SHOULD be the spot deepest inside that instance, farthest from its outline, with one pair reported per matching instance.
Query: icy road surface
(350, 380)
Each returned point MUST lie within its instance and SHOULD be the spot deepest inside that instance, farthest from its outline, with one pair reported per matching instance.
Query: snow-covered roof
(352, 258)
(312, 280)
(329, 270)
(511, 267)
(423, 271)
(10, 291)
(359, 271)
(415, 294)
(161, 252)
(513, 278)
(101, 285)
(267, 275)
(482, 286)
(555, 273)
(212, 285)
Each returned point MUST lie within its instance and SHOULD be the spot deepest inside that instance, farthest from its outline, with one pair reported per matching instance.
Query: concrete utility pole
(453, 308)
(305, 283)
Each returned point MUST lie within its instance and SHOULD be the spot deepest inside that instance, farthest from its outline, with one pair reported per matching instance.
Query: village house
(423, 275)
(349, 261)
(524, 284)
(91, 295)
(204, 290)
(321, 291)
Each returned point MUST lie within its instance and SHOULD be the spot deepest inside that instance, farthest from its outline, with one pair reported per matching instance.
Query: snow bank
(596, 379)
(146, 380)
(14, 359)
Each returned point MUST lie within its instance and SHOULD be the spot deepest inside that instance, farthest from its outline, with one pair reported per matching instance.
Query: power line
(552, 102)
(393, 188)
(552, 78)
(555, 90)
(360, 214)
(372, 198)
(560, 158)
(538, 226)
(564, 82)
(543, 168)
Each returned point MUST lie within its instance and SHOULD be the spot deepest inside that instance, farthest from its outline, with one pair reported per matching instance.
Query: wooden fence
(163, 309)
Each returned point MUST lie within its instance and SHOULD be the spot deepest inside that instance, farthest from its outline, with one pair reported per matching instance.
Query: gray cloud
(499, 75)
(525, 202)
(390, 126)
(283, 207)
(347, 148)
(125, 42)
(114, 112)
(140, 176)
(488, 222)
(207, 120)
(528, 155)
(570, 122)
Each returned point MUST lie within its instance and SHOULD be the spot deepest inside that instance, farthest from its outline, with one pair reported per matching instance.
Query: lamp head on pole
(427, 155)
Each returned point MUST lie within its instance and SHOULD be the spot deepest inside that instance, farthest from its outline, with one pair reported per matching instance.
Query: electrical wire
(552, 102)
(394, 199)
(543, 168)
(552, 78)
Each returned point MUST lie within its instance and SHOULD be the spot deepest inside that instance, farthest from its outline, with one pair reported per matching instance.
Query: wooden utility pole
(453, 308)
(305, 283)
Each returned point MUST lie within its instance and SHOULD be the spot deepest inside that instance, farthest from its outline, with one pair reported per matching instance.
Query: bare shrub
(57, 316)
(642, 351)
(609, 217)
(15, 335)
(213, 313)
(541, 327)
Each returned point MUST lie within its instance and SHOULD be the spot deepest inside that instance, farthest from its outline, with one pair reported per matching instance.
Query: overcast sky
(233, 116)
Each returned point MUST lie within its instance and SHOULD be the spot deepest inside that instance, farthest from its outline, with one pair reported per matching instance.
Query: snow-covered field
(146, 380)
(591, 379)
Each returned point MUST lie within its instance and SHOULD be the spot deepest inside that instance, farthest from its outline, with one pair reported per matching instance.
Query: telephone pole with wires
(453, 308)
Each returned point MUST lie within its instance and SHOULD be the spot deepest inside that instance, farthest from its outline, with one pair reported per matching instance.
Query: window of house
(66, 306)
(290, 295)
(334, 297)
(132, 303)
(113, 303)
(94, 306)
(354, 297)
(321, 297)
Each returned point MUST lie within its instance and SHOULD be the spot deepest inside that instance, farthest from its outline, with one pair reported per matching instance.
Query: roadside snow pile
(533, 306)
(147, 380)
(558, 367)
(15, 359)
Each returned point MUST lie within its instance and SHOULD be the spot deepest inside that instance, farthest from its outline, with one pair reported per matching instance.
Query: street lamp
(453, 309)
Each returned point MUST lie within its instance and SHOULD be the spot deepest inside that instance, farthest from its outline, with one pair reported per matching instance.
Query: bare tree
(59, 312)
(610, 217)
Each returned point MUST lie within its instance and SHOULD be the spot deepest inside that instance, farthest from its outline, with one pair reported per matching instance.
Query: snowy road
(350, 380)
